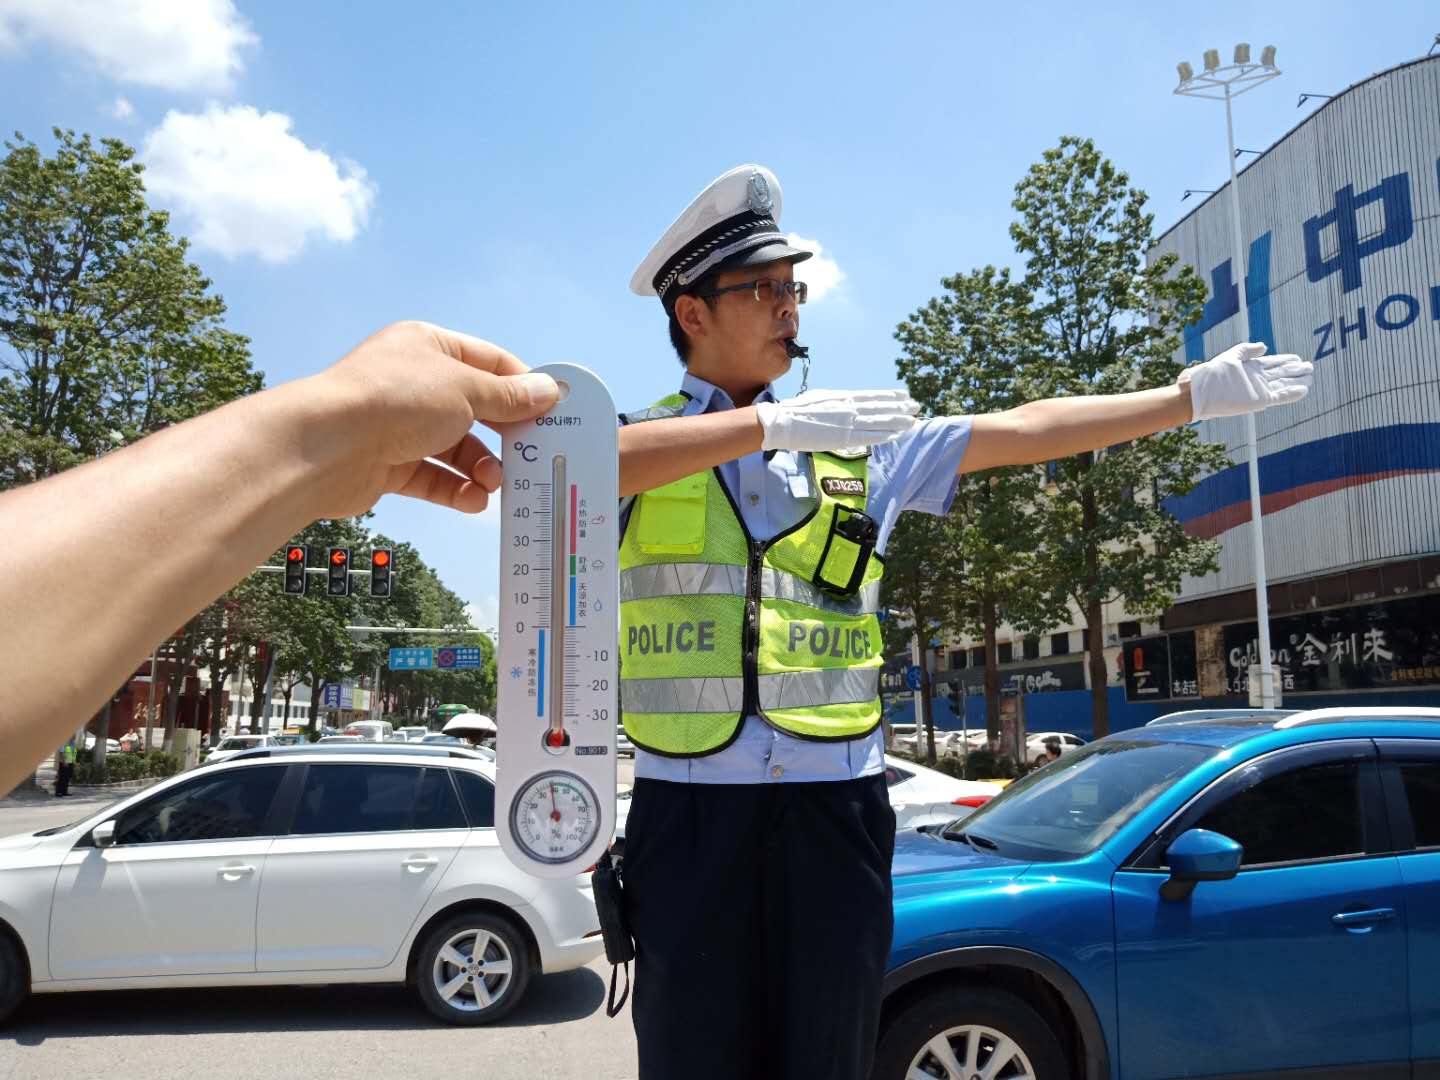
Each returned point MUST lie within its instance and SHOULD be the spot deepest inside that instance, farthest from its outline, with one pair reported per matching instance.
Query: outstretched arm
(1241, 379)
(326, 446)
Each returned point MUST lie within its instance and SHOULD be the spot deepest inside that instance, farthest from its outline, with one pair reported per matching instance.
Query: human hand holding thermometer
(559, 619)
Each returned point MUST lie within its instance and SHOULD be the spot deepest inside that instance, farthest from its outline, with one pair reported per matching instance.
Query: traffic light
(337, 563)
(381, 563)
(296, 556)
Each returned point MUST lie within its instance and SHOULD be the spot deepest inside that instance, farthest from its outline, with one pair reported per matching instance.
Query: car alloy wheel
(473, 969)
(951, 1030)
(972, 1052)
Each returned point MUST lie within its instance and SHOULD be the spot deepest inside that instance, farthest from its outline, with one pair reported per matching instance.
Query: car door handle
(1362, 922)
(420, 863)
(235, 873)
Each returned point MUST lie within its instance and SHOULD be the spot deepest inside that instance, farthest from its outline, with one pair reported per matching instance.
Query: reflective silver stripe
(681, 579)
(682, 695)
(831, 686)
(787, 690)
(722, 579)
(783, 586)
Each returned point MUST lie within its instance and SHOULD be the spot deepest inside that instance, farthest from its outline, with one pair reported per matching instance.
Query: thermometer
(559, 631)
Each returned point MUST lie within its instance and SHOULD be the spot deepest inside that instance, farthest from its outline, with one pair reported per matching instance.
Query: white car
(112, 746)
(413, 733)
(623, 746)
(231, 745)
(919, 796)
(293, 866)
(1035, 744)
(922, 796)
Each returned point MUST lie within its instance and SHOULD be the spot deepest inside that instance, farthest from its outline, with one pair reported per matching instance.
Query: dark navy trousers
(762, 921)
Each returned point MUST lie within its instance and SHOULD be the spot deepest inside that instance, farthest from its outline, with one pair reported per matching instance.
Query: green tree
(922, 577)
(1108, 323)
(965, 353)
(107, 332)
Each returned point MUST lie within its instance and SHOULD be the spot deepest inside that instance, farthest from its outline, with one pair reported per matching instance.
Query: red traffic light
(295, 554)
(339, 556)
(380, 558)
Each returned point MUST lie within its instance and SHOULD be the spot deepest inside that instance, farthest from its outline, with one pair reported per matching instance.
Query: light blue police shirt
(915, 472)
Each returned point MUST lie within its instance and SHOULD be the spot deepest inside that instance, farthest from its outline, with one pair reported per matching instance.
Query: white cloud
(186, 45)
(485, 614)
(122, 109)
(820, 272)
(244, 185)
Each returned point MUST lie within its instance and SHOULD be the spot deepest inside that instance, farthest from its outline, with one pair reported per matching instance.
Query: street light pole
(1228, 83)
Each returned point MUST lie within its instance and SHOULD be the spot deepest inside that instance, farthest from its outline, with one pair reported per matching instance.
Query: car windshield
(1072, 806)
(243, 743)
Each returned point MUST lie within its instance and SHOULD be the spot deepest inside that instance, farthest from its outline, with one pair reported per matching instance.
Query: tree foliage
(1107, 323)
(107, 332)
(966, 352)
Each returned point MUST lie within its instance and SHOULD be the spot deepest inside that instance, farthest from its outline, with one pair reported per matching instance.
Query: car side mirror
(1199, 855)
(104, 834)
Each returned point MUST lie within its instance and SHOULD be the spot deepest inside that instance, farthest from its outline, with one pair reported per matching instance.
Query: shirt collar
(707, 397)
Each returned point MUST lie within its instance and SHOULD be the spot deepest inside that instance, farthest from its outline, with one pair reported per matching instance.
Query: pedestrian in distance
(65, 770)
(757, 862)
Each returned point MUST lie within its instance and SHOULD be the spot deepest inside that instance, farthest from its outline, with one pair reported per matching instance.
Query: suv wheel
(960, 1033)
(13, 988)
(472, 969)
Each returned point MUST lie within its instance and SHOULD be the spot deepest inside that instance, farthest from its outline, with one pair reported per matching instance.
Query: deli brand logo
(842, 485)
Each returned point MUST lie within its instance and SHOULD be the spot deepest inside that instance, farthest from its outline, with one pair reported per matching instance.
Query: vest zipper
(751, 704)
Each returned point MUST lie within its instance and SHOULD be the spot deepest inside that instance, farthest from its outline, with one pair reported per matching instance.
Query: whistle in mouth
(795, 350)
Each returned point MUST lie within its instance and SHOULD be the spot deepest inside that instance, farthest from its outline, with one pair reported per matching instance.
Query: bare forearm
(113, 556)
(656, 452)
(1061, 427)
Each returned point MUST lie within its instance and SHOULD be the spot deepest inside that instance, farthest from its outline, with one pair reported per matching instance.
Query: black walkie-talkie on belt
(614, 928)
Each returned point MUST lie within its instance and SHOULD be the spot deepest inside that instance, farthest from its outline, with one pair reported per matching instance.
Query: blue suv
(1234, 897)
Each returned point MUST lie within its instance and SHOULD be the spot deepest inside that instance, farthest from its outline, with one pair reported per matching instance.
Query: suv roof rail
(1362, 714)
(406, 749)
(1198, 716)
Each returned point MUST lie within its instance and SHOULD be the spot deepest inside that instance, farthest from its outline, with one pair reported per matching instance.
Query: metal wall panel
(1358, 461)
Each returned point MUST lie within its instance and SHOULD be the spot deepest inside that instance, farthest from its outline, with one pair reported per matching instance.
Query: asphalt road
(559, 1030)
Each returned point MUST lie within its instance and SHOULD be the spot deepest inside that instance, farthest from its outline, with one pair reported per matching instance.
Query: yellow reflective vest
(716, 625)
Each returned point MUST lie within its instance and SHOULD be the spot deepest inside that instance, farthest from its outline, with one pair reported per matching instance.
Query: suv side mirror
(1199, 855)
(104, 833)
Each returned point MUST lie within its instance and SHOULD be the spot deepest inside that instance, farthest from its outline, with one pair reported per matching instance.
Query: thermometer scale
(555, 750)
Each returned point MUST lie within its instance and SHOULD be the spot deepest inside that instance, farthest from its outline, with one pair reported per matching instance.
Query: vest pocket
(846, 555)
(672, 517)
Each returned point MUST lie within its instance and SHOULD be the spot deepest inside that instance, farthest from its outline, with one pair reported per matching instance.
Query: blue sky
(503, 167)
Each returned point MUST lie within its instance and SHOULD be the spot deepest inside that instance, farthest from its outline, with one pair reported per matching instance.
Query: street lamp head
(1212, 59)
(1242, 53)
(1186, 71)
(1267, 56)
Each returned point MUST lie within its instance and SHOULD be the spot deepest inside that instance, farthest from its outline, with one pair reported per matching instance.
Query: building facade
(1340, 220)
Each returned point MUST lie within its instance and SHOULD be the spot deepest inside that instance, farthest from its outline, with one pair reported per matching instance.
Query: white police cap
(734, 222)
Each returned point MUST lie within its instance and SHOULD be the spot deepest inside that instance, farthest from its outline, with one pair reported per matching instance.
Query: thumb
(506, 399)
(1249, 350)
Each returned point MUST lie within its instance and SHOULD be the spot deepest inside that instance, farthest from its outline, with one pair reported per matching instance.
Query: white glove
(835, 419)
(1240, 381)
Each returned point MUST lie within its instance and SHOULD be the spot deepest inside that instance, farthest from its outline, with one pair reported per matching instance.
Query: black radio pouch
(847, 551)
(610, 906)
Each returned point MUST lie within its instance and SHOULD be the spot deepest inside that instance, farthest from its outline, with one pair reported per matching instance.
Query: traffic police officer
(758, 844)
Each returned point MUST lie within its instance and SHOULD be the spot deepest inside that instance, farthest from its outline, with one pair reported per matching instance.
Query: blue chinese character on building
(1393, 195)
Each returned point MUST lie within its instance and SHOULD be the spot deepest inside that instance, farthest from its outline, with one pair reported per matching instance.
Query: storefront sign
(1365, 647)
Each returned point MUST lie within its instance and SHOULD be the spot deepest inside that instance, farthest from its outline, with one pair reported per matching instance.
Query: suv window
(359, 798)
(228, 806)
(479, 796)
(1422, 792)
(1309, 813)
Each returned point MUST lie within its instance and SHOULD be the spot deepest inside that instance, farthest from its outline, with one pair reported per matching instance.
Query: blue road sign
(467, 656)
(412, 659)
(912, 677)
